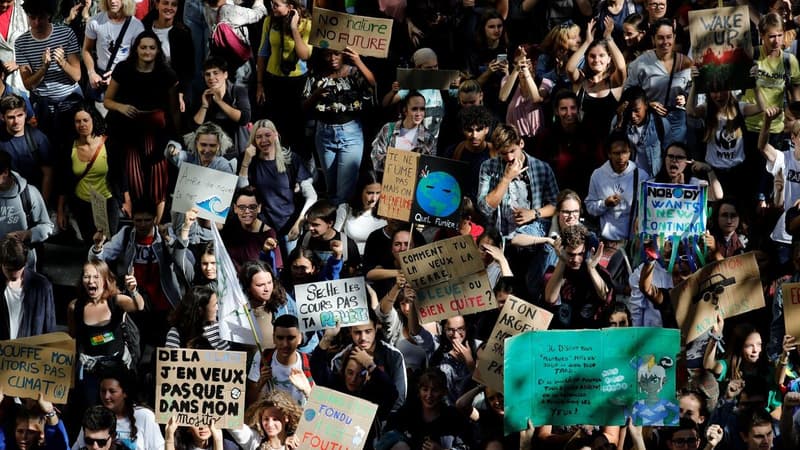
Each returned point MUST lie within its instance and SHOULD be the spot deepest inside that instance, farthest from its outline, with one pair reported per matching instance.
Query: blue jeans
(195, 20)
(340, 147)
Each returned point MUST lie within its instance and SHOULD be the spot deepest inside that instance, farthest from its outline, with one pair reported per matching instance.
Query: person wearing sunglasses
(99, 429)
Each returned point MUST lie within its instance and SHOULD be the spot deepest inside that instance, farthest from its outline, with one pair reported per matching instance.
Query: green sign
(591, 377)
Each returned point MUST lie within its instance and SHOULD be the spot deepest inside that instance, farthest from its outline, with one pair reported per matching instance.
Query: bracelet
(203, 106)
(783, 362)
(50, 414)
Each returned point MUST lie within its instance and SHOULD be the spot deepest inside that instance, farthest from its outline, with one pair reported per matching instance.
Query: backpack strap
(635, 204)
(117, 44)
(33, 147)
(27, 205)
(787, 77)
(659, 124)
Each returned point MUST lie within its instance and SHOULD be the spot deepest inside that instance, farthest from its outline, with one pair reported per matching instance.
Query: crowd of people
(561, 111)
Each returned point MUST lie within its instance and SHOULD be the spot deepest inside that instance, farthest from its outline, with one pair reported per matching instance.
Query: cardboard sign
(422, 188)
(722, 48)
(399, 181)
(100, 212)
(445, 260)
(200, 387)
(449, 278)
(211, 191)
(321, 305)
(335, 420)
(39, 364)
(517, 316)
(367, 36)
(672, 209)
(426, 79)
(591, 377)
(729, 287)
(791, 308)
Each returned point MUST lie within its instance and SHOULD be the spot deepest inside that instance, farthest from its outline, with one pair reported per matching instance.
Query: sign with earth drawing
(435, 195)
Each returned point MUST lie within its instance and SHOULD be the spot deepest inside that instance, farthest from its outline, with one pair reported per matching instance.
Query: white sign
(324, 304)
(209, 190)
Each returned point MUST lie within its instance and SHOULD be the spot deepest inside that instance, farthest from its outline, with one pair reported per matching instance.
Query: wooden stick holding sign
(200, 387)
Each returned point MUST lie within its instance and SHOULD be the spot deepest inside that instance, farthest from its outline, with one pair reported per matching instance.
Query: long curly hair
(284, 403)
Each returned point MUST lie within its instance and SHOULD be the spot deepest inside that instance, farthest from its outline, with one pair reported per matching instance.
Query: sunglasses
(100, 442)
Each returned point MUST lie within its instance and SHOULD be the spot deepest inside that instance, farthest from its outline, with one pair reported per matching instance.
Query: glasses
(657, 5)
(243, 208)
(100, 442)
(684, 442)
(676, 157)
(570, 212)
(460, 330)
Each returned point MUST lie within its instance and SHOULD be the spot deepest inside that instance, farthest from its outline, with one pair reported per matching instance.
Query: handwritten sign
(449, 278)
(517, 316)
(672, 209)
(324, 304)
(422, 188)
(591, 377)
(211, 191)
(367, 36)
(722, 48)
(426, 79)
(100, 212)
(200, 387)
(729, 287)
(399, 181)
(39, 364)
(791, 308)
(335, 420)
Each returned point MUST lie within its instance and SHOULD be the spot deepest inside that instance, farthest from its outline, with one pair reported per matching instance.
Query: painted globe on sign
(439, 194)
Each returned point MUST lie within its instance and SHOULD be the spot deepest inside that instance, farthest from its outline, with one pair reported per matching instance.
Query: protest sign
(722, 48)
(325, 304)
(99, 212)
(367, 36)
(335, 420)
(38, 364)
(422, 188)
(200, 387)
(595, 377)
(449, 278)
(234, 316)
(517, 316)
(426, 79)
(729, 287)
(672, 209)
(791, 308)
(209, 190)
(399, 181)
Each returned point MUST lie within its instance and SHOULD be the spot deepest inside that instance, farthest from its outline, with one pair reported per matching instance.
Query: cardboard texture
(367, 36)
(722, 48)
(335, 420)
(100, 212)
(791, 308)
(39, 364)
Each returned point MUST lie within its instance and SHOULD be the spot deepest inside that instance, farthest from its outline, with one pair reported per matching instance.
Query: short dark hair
(475, 116)
(247, 191)
(215, 62)
(686, 424)
(38, 8)
(564, 94)
(144, 206)
(323, 210)
(13, 253)
(11, 101)
(286, 321)
(617, 136)
(98, 418)
(753, 417)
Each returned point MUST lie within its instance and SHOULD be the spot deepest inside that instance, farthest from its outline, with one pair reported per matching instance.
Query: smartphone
(502, 57)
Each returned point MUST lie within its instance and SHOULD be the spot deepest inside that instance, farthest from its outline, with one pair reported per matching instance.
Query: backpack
(226, 44)
(266, 358)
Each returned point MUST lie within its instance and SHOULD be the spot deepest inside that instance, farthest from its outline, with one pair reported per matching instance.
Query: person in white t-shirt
(282, 368)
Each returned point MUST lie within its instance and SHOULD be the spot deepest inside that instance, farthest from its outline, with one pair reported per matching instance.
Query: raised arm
(572, 63)
(769, 152)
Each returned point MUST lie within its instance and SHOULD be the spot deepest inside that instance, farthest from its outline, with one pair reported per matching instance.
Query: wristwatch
(537, 213)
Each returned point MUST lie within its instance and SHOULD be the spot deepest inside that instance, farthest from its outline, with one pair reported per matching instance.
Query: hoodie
(13, 217)
(614, 221)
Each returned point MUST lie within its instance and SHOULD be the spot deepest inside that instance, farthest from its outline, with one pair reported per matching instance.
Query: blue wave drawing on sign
(212, 204)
